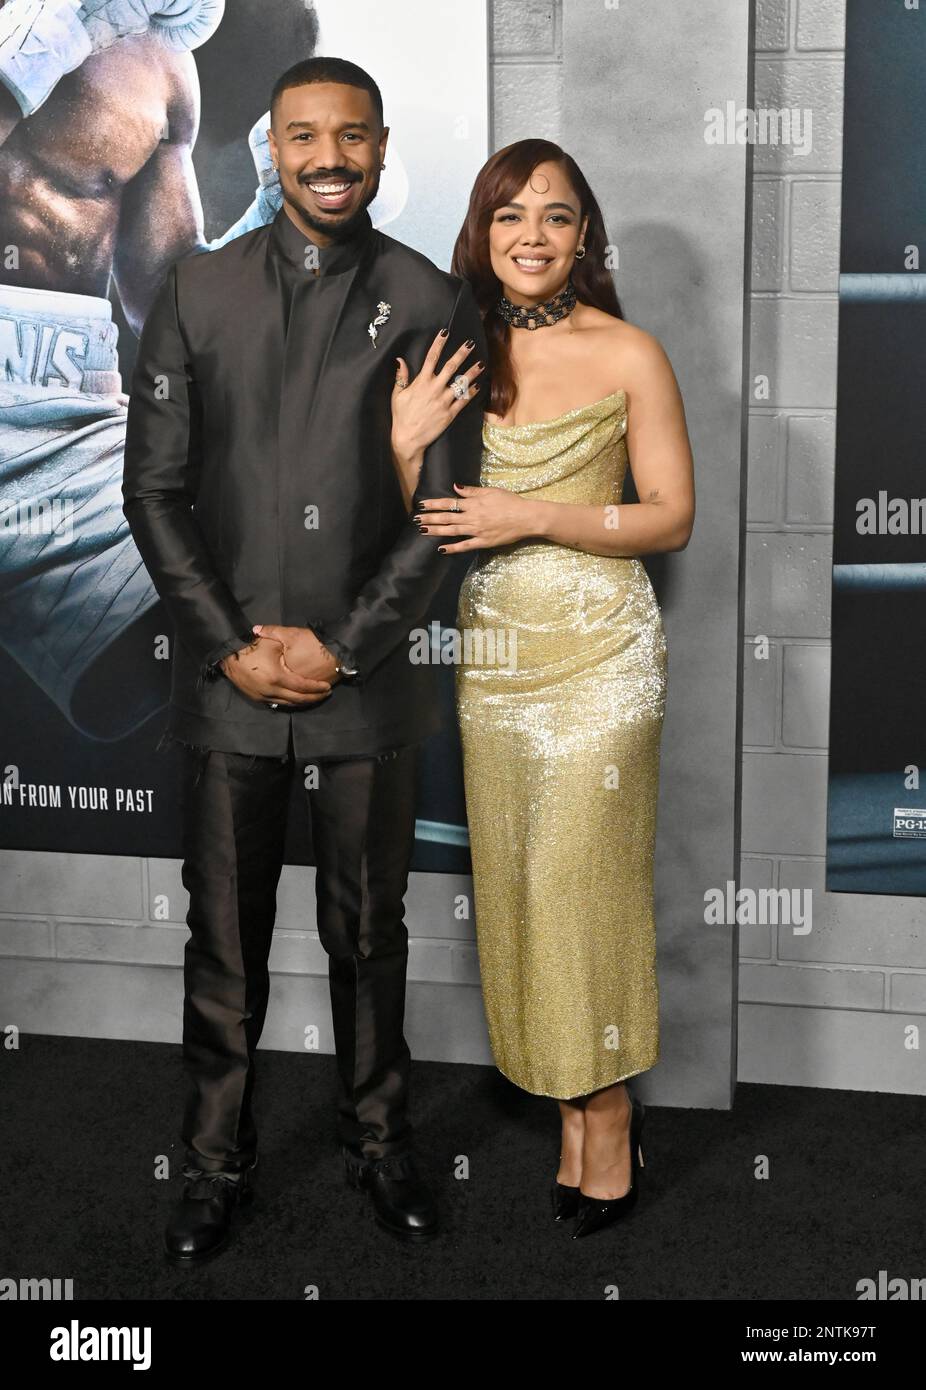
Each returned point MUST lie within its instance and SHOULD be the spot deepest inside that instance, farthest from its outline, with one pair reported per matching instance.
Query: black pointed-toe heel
(565, 1201)
(596, 1212)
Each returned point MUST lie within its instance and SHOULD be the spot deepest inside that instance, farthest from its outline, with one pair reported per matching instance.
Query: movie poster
(876, 831)
(126, 167)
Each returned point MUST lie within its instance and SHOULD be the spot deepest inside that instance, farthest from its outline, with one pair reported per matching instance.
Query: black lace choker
(538, 315)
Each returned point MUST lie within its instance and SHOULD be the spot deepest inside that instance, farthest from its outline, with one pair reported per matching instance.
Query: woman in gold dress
(561, 731)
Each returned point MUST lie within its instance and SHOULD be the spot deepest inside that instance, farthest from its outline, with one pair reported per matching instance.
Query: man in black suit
(260, 489)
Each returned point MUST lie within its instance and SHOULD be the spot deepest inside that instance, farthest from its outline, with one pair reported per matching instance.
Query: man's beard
(338, 231)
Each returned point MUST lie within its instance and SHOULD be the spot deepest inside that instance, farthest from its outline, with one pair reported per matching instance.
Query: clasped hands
(284, 666)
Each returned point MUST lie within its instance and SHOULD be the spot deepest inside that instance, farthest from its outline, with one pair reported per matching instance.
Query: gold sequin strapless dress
(561, 744)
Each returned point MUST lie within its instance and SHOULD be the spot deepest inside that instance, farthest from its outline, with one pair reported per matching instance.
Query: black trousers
(363, 828)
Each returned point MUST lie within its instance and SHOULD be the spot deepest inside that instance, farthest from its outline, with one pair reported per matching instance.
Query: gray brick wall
(830, 1007)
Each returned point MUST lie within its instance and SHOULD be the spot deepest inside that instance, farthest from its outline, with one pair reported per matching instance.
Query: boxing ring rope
(880, 288)
(871, 579)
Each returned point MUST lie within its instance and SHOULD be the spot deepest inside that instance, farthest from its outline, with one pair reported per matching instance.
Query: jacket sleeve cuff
(348, 662)
(211, 667)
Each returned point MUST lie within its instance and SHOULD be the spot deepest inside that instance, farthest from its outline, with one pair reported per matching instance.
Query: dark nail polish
(441, 550)
(470, 343)
(444, 332)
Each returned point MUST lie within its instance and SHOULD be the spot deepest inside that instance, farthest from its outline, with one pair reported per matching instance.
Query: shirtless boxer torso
(98, 117)
(99, 180)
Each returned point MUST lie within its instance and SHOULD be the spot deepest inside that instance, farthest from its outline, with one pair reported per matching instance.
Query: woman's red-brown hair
(499, 181)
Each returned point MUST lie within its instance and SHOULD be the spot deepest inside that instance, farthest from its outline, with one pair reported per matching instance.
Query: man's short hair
(324, 69)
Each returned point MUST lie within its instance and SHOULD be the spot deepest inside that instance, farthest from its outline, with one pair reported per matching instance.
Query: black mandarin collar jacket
(259, 484)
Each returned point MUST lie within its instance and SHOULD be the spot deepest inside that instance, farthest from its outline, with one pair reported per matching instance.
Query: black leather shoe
(596, 1212)
(199, 1224)
(402, 1202)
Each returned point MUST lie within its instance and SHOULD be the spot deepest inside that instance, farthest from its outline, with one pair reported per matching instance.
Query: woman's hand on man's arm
(423, 408)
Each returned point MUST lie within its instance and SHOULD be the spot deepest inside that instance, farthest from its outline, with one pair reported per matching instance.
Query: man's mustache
(330, 176)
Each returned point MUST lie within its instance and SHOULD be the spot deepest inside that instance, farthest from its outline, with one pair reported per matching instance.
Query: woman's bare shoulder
(639, 356)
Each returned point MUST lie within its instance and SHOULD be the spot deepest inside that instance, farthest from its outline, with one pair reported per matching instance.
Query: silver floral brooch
(384, 311)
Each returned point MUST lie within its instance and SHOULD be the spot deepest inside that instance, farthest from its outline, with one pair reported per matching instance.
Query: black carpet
(85, 1120)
